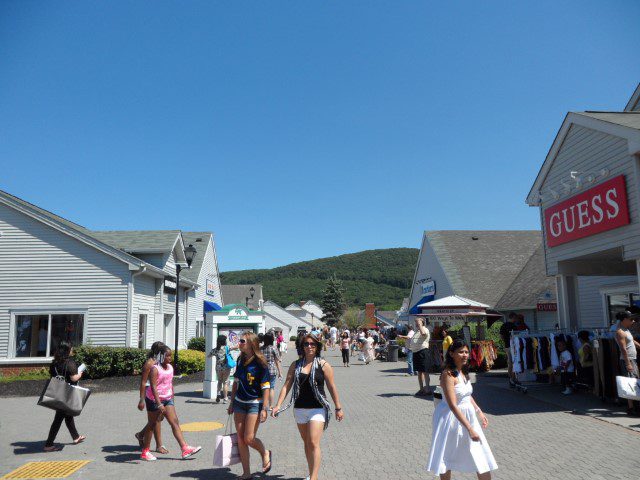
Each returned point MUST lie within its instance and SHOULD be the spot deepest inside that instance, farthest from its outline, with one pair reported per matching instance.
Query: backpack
(221, 358)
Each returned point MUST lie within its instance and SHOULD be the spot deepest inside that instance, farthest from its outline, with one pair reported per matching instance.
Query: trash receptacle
(392, 351)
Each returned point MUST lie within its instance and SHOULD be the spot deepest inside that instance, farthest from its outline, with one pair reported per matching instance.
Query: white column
(210, 384)
(563, 302)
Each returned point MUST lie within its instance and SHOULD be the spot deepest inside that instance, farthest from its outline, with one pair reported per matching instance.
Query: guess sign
(601, 208)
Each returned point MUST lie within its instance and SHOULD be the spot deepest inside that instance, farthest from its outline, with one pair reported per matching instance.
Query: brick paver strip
(386, 434)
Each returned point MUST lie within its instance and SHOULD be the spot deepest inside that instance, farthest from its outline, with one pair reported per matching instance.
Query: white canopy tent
(456, 309)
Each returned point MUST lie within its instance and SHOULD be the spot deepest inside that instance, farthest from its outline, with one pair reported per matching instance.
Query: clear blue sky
(298, 130)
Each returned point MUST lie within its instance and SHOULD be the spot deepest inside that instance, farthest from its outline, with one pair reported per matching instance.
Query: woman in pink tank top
(159, 400)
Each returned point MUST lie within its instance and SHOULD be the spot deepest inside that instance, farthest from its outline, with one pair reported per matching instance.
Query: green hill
(380, 276)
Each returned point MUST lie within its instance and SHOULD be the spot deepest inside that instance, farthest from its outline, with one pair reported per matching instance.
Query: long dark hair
(267, 340)
(63, 352)
(254, 343)
(449, 364)
(221, 342)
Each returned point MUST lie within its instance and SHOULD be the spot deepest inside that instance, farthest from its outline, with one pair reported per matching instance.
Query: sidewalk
(579, 403)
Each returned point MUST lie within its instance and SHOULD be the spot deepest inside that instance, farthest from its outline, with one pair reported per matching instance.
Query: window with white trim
(199, 328)
(39, 335)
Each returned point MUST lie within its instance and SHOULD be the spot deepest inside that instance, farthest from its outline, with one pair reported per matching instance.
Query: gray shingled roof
(625, 119)
(139, 241)
(483, 269)
(529, 286)
(201, 246)
(239, 294)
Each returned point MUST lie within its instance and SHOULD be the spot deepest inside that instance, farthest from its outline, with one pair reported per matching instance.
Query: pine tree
(333, 304)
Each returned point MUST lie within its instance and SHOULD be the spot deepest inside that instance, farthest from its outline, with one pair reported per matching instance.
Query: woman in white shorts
(306, 379)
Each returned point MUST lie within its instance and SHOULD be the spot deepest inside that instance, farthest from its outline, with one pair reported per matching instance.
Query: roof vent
(474, 238)
(198, 239)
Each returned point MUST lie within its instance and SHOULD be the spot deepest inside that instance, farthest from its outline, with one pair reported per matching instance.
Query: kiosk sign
(601, 208)
(238, 313)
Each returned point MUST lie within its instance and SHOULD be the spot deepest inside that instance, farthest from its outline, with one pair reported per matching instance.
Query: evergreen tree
(333, 304)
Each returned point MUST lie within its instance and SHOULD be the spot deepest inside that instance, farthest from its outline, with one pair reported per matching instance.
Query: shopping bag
(628, 387)
(438, 396)
(226, 451)
(59, 395)
(231, 363)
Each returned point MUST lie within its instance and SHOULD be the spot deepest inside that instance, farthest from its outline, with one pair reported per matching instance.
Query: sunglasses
(242, 340)
(310, 344)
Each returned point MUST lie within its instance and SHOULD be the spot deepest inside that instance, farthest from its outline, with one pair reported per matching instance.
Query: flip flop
(266, 470)
(162, 449)
(140, 439)
(80, 439)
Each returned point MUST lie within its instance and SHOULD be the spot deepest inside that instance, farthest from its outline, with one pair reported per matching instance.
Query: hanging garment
(529, 354)
(555, 361)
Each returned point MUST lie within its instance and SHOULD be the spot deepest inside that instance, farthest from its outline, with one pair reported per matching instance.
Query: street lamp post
(252, 292)
(190, 253)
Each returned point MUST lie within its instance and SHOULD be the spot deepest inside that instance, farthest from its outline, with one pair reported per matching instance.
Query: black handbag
(59, 395)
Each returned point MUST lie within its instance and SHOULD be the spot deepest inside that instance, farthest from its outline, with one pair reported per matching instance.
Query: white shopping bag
(628, 387)
(226, 452)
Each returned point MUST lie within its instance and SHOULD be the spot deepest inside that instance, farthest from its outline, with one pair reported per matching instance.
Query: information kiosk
(231, 321)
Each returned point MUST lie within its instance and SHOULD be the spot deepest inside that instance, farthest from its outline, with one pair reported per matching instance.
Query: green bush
(293, 338)
(196, 343)
(110, 361)
(104, 362)
(190, 361)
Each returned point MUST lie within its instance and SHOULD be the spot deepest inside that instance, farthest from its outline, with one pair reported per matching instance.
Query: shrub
(293, 338)
(190, 361)
(110, 361)
(196, 343)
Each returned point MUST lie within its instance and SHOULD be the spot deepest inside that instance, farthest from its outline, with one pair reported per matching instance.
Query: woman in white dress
(458, 443)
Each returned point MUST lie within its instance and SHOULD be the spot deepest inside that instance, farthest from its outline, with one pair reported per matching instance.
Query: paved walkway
(386, 434)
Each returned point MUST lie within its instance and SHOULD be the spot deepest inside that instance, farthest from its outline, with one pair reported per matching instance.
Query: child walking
(159, 401)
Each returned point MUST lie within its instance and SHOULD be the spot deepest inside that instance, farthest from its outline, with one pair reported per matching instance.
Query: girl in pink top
(159, 400)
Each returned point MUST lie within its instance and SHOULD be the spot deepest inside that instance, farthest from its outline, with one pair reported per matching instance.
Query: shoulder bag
(231, 363)
(59, 395)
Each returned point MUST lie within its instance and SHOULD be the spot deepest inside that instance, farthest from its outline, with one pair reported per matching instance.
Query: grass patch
(42, 374)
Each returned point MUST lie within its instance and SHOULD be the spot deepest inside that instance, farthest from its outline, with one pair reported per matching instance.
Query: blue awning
(415, 310)
(211, 307)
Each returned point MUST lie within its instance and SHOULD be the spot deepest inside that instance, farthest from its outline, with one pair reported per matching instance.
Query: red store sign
(601, 208)
(547, 307)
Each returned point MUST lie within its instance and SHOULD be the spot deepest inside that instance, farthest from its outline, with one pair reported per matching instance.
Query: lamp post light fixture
(252, 292)
(189, 253)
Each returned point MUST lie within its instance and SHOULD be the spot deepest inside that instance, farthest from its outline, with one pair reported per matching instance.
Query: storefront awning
(211, 307)
(415, 309)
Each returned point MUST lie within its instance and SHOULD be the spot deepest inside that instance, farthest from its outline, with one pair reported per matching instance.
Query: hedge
(196, 343)
(121, 362)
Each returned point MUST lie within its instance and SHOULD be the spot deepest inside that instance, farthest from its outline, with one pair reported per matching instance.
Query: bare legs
(311, 434)
(423, 380)
(155, 419)
(157, 432)
(247, 428)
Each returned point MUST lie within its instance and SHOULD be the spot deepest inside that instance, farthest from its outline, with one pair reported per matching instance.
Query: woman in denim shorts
(249, 399)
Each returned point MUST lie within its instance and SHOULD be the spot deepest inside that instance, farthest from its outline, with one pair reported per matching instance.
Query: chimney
(370, 312)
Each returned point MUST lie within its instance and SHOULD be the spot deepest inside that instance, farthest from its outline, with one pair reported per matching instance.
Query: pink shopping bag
(226, 452)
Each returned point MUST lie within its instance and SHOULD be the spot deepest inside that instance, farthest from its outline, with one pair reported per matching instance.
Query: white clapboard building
(62, 281)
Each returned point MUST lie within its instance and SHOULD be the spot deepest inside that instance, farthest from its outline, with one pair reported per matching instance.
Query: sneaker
(218, 399)
(567, 391)
(190, 451)
(224, 400)
(147, 456)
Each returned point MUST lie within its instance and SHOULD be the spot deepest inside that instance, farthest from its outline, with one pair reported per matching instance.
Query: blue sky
(299, 130)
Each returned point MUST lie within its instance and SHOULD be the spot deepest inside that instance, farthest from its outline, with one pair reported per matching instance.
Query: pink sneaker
(147, 456)
(190, 451)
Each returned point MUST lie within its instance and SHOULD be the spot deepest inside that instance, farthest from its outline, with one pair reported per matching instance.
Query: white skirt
(452, 447)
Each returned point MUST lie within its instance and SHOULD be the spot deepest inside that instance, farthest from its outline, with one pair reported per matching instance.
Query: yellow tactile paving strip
(200, 426)
(47, 469)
